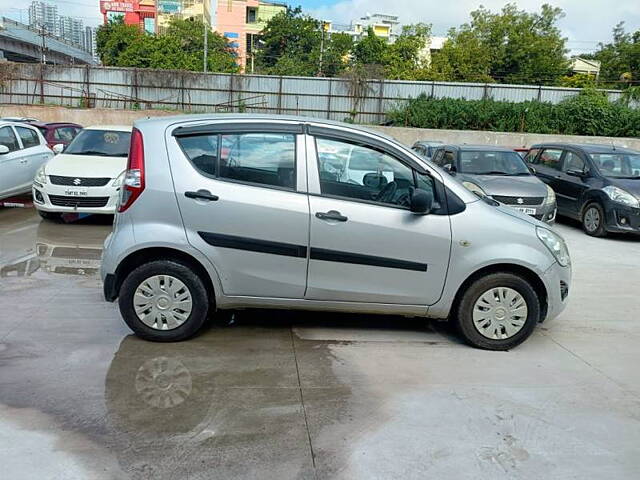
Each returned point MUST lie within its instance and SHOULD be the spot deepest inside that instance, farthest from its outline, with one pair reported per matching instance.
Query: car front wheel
(164, 301)
(498, 312)
(593, 220)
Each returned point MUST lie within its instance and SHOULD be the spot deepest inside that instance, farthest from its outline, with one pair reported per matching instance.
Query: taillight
(133, 183)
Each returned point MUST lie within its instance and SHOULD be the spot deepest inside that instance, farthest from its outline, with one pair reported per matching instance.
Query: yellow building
(184, 9)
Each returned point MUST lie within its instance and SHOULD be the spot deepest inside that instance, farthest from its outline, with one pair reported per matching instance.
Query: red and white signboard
(108, 6)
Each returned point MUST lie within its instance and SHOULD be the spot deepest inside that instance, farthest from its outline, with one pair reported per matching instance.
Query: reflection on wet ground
(301, 395)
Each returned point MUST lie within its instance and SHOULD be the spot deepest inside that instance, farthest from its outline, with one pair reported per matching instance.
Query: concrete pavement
(308, 395)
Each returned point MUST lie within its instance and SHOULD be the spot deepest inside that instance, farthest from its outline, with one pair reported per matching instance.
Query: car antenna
(613, 145)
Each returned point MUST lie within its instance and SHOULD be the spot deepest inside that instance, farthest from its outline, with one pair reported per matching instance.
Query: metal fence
(332, 98)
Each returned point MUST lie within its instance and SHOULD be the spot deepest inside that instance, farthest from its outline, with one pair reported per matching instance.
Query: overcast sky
(586, 23)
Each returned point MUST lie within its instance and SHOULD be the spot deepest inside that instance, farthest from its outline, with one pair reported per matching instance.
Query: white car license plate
(76, 192)
(528, 211)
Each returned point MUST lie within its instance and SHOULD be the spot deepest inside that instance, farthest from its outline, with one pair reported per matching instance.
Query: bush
(588, 113)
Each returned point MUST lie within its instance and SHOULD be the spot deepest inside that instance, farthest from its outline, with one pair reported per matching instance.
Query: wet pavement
(279, 395)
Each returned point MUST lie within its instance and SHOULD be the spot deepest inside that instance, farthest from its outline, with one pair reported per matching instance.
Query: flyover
(21, 43)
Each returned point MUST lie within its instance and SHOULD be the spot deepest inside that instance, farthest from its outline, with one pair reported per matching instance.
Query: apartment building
(42, 14)
(241, 22)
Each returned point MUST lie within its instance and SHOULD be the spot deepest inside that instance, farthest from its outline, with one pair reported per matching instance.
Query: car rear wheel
(498, 312)
(593, 220)
(164, 301)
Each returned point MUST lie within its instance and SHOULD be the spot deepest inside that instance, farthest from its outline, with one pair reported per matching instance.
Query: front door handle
(23, 160)
(331, 215)
(202, 195)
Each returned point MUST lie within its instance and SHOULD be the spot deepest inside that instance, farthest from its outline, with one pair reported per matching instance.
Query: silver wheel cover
(500, 313)
(592, 219)
(162, 302)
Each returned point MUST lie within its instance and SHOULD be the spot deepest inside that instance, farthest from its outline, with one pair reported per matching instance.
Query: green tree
(405, 58)
(181, 47)
(620, 59)
(512, 46)
(371, 50)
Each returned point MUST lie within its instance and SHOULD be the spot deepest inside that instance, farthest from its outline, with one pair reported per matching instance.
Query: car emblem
(520, 201)
(77, 181)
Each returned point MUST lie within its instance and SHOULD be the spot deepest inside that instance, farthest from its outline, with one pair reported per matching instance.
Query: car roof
(480, 148)
(257, 116)
(587, 147)
(4, 123)
(429, 143)
(54, 124)
(115, 128)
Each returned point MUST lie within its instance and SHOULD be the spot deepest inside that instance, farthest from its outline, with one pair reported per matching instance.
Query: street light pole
(205, 44)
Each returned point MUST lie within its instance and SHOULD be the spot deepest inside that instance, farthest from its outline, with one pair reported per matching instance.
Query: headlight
(551, 196)
(118, 181)
(555, 244)
(40, 177)
(621, 196)
(474, 188)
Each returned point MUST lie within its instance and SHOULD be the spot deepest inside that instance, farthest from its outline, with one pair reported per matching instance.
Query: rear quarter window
(28, 136)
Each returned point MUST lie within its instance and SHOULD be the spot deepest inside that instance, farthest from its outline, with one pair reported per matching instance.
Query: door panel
(32, 155)
(379, 254)
(256, 236)
(11, 168)
(365, 244)
(569, 189)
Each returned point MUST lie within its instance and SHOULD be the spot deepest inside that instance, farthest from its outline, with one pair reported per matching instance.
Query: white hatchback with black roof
(86, 177)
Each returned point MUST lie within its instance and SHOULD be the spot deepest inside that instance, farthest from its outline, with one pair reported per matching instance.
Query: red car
(57, 132)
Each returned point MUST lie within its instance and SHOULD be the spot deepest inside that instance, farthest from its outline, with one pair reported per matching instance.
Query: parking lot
(301, 395)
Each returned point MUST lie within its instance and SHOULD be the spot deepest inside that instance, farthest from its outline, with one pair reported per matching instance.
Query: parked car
(426, 148)
(57, 133)
(218, 232)
(86, 178)
(18, 119)
(599, 185)
(501, 174)
(23, 151)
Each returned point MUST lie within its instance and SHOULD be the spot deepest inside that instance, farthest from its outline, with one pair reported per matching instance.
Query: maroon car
(57, 132)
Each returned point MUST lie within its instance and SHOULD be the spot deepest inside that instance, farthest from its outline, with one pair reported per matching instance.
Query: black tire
(195, 285)
(600, 230)
(52, 216)
(464, 313)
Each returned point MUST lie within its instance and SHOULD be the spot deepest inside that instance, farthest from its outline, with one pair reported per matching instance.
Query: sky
(586, 23)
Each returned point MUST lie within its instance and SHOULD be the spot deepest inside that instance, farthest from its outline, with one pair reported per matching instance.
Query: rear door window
(262, 159)
(573, 162)
(28, 136)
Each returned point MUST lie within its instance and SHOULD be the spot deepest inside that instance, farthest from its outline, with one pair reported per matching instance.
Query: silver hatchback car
(220, 212)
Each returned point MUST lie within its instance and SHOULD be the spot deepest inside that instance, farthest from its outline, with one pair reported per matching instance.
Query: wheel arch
(145, 255)
(524, 272)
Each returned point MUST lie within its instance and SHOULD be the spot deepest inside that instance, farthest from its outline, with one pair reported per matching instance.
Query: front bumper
(55, 199)
(557, 281)
(622, 219)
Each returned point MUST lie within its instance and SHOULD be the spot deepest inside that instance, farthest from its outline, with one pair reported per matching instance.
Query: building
(90, 42)
(241, 22)
(435, 44)
(71, 29)
(184, 9)
(384, 26)
(45, 15)
(133, 12)
(585, 66)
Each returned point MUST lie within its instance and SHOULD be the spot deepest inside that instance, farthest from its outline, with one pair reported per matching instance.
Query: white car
(86, 176)
(23, 150)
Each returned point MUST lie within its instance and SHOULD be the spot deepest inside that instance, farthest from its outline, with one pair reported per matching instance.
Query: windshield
(102, 143)
(492, 163)
(617, 165)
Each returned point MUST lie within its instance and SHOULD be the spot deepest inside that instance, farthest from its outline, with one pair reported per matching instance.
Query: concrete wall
(405, 135)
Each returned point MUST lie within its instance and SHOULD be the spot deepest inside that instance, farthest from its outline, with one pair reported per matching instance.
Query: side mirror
(532, 170)
(421, 202)
(58, 148)
(577, 173)
(450, 169)
(4, 149)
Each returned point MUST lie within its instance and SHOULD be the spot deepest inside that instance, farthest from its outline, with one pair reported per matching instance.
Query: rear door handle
(331, 215)
(202, 195)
